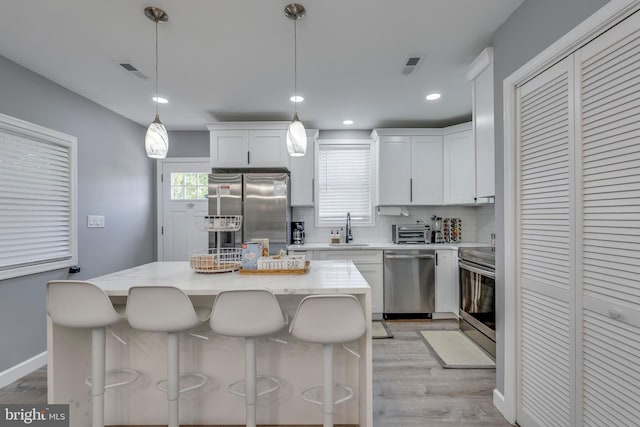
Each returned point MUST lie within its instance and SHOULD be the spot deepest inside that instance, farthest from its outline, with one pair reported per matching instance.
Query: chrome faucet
(348, 236)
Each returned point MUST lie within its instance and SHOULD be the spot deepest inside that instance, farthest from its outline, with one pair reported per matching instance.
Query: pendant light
(156, 141)
(296, 134)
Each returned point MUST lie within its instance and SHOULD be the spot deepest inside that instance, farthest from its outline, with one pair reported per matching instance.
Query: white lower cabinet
(447, 289)
(369, 263)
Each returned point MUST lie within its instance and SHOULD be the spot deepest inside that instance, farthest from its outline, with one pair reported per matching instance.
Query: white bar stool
(167, 309)
(328, 320)
(248, 314)
(78, 304)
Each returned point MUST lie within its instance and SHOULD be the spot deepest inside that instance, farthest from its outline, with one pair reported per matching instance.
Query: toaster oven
(410, 233)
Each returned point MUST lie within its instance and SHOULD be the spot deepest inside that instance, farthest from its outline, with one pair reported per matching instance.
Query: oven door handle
(472, 268)
(409, 256)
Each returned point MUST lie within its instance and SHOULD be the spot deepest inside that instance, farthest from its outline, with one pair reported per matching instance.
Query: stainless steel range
(477, 268)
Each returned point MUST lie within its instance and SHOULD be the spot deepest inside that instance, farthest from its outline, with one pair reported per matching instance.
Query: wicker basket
(219, 222)
(216, 260)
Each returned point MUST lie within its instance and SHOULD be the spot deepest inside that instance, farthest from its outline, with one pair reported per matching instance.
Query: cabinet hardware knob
(614, 314)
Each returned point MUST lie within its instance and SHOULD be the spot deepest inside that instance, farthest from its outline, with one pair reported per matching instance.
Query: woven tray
(296, 271)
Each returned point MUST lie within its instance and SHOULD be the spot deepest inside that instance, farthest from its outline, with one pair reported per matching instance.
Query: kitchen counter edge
(382, 246)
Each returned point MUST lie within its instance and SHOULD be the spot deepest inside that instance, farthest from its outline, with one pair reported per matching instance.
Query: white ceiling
(226, 60)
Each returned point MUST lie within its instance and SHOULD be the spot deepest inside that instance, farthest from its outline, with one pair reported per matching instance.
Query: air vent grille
(411, 64)
(133, 70)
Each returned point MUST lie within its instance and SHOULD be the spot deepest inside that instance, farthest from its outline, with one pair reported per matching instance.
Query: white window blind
(345, 182)
(37, 199)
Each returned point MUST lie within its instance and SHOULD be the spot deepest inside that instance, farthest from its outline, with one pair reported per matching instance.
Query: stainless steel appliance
(409, 283)
(436, 230)
(410, 233)
(477, 295)
(262, 198)
(298, 236)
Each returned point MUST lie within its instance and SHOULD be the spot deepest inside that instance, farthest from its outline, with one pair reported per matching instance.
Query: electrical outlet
(95, 221)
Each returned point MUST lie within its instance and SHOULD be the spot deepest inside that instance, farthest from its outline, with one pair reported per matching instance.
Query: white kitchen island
(296, 364)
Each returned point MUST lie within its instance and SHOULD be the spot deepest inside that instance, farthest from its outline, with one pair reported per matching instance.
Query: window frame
(372, 187)
(24, 130)
(185, 186)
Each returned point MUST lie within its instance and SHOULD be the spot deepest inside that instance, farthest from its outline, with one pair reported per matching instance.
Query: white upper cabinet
(459, 165)
(409, 166)
(480, 74)
(248, 144)
(302, 173)
(426, 169)
(394, 175)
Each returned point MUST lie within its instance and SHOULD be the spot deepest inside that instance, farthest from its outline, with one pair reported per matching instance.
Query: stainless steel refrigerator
(262, 198)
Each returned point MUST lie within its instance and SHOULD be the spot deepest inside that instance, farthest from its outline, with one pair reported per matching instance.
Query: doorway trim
(603, 19)
(159, 197)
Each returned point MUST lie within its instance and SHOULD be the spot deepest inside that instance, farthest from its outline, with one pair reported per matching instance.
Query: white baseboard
(23, 368)
(444, 316)
(498, 402)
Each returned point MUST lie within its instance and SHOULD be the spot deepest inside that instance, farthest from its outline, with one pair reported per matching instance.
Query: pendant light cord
(156, 66)
(295, 66)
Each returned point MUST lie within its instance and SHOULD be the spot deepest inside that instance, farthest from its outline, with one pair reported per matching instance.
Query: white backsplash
(477, 223)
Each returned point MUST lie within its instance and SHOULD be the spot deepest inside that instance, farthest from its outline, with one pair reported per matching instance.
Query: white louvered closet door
(609, 81)
(546, 243)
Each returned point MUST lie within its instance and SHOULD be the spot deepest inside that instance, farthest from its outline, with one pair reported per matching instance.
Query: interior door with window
(184, 197)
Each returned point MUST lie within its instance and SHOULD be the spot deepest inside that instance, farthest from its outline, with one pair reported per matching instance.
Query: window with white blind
(37, 199)
(345, 182)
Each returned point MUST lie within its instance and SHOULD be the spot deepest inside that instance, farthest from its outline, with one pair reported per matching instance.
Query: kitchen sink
(349, 245)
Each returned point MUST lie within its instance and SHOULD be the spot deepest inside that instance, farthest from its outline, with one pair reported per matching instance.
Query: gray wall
(188, 144)
(534, 26)
(115, 179)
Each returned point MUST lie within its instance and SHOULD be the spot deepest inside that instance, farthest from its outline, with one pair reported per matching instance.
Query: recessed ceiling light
(433, 96)
(347, 122)
(296, 98)
(160, 100)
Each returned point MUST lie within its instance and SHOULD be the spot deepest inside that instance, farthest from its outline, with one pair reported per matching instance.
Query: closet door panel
(546, 345)
(609, 126)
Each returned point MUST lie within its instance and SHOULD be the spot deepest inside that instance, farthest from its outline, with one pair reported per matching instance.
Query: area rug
(454, 349)
(379, 329)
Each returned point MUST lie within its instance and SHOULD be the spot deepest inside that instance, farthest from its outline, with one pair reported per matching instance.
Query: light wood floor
(410, 388)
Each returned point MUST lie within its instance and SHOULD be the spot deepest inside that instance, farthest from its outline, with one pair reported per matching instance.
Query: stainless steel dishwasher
(409, 283)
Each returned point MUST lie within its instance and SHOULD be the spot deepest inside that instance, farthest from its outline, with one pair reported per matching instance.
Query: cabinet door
(426, 170)
(267, 148)
(447, 286)
(302, 176)
(369, 263)
(546, 337)
(483, 132)
(372, 273)
(394, 173)
(228, 148)
(308, 254)
(459, 168)
(609, 196)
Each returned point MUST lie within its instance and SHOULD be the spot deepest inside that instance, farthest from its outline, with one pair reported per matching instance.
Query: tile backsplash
(477, 223)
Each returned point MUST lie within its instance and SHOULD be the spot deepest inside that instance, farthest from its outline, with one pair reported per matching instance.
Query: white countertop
(380, 246)
(322, 277)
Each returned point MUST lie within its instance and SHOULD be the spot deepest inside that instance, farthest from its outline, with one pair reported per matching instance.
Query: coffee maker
(436, 230)
(297, 232)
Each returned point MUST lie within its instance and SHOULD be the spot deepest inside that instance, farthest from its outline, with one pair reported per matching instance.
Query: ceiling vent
(127, 65)
(411, 64)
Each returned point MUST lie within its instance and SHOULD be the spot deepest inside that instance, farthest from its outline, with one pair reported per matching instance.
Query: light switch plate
(95, 221)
